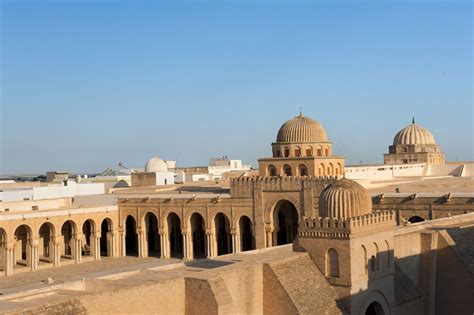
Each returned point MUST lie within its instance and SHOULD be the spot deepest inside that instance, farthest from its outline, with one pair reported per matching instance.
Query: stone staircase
(306, 286)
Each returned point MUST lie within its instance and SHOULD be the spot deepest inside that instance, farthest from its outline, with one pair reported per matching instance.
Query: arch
(319, 151)
(285, 220)
(246, 233)
(322, 169)
(387, 254)
(223, 237)
(326, 151)
(131, 238)
(332, 263)
(22, 237)
(297, 152)
(286, 152)
(331, 169)
(415, 219)
(286, 170)
(68, 231)
(339, 169)
(106, 229)
(46, 233)
(88, 227)
(175, 235)
(302, 170)
(271, 170)
(309, 151)
(374, 308)
(377, 257)
(375, 304)
(152, 236)
(198, 234)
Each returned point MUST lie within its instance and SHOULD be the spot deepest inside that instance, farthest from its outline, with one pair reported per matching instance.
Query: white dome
(156, 165)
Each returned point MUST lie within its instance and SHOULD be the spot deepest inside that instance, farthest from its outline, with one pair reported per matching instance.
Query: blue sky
(88, 84)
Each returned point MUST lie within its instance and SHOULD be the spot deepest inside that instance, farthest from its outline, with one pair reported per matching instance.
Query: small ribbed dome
(344, 199)
(301, 129)
(156, 165)
(414, 134)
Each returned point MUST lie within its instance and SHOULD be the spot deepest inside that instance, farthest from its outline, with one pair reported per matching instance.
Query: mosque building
(414, 144)
(364, 262)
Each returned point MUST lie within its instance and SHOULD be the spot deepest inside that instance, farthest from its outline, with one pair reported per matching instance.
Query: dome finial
(301, 112)
(413, 120)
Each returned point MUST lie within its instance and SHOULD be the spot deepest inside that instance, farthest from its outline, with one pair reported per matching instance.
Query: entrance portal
(153, 239)
(131, 245)
(198, 231)
(246, 237)
(175, 235)
(286, 222)
(224, 240)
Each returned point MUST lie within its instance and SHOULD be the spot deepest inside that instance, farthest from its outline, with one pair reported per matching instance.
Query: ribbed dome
(344, 199)
(156, 165)
(302, 129)
(414, 134)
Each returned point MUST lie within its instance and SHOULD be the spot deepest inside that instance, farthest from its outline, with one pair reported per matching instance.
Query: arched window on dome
(287, 170)
(297, 151)
(326, 151)
(286, 152)
(332, 263)
(309, 151)
(322, 170)
(319, 151)
(271, 170)
(331, 169)
(302, 170)
(364, 253)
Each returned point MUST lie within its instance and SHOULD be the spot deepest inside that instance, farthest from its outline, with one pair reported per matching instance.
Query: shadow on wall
(437, 281)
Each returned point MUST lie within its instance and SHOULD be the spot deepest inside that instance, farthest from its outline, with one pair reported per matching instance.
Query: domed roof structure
(413, 134)
(301, 129)
(156, 165)
(344, 199)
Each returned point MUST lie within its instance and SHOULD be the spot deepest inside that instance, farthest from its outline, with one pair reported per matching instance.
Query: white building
(156, 173)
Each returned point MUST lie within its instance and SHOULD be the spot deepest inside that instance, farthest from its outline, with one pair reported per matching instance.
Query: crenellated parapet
(344, 228)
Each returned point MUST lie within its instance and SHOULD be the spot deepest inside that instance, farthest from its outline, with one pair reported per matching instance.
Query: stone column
(210, 244)
(95, 245)
(33, 256)
(141, 243)
(269, 237)
(235, 241)
(112, 244)
(123, 250)
(77, 248)
(164, 244)
(56, 252)
(187, 245)
(9, 259)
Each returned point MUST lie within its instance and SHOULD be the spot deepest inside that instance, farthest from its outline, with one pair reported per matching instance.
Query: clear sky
(87, 84)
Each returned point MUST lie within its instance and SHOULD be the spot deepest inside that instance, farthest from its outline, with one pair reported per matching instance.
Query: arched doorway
(416, 219)
(198, 231)
(22, 241)
(87, 232)
(271, 170)
(131, 240)
(152, 236)
(286, 222)
(175, 235)
(223, 237)
(67, 232)
(246, 235)
(374, 309)
(105, 237)
(45, 251)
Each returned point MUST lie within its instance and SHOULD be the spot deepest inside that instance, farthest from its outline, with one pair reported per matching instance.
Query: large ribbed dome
(344, 199)
(414, 134)
(302, 129)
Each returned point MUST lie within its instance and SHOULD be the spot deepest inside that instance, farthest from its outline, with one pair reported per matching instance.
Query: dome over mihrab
(344, 199)
(301, 129)
(414, 134)
(156, 165)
